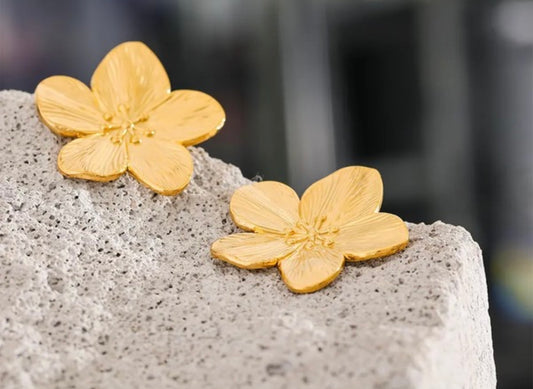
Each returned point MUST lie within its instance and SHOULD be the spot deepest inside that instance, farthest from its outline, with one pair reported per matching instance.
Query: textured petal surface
(264, 206)
(372, 236)
(68, 107)
(343, 196)
(188, 116)
(132, 75)
(163, 166)
(94, 157)
(308, 270)
(251, 251)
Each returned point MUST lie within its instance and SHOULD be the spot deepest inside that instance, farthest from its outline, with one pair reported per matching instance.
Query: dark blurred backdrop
(438, 95)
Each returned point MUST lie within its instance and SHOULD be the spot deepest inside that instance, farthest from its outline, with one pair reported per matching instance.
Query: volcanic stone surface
(108, 285)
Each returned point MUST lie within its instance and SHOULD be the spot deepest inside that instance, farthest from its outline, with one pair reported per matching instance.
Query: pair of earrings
(130, 120)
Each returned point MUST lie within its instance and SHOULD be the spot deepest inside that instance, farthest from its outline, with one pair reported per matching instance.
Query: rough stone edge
(466, 335)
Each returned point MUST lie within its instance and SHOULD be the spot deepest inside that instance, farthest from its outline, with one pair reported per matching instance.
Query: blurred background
(438, 95)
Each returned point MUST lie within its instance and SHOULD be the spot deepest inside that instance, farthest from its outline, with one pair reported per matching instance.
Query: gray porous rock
(108, 285)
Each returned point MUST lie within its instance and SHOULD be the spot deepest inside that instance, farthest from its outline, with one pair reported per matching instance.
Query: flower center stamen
(127, 129)
(310, 235)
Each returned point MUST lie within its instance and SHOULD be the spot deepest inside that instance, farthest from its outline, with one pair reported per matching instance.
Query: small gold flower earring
(309, 240)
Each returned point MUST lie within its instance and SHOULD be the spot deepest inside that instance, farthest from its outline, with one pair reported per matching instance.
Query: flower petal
(163, 166)
(372, 236)
(308, 270)
(267, 206)
(343, 196)
(130, 74)
(94, 157)
(68, 107)
(251, 251)
(188, 116)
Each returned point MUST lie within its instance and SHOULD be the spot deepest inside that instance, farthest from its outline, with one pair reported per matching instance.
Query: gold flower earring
(336, 220)
(128, 121)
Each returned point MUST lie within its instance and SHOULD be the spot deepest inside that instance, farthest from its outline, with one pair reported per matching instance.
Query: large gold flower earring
(128, 121)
